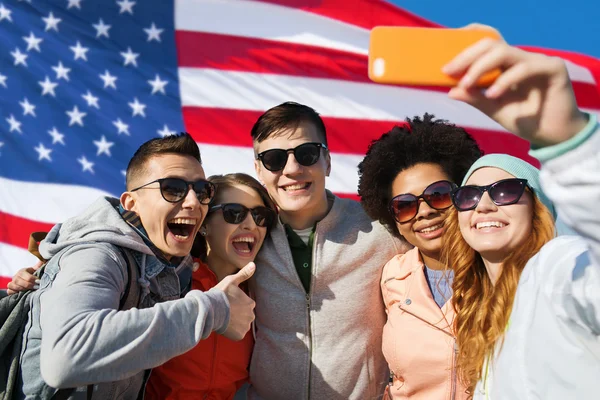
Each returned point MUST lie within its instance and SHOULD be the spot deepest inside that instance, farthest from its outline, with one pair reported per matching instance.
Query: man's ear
(128, 201)
(328, 159)
(258, 170)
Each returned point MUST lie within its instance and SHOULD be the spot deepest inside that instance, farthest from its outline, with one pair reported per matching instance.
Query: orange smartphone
(415, 56)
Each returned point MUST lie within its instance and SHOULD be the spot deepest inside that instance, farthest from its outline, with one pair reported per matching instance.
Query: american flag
(84, 82)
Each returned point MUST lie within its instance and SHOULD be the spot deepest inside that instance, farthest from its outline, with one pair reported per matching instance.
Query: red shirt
(215, 369)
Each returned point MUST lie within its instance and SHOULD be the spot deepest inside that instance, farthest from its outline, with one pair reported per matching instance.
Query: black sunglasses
(175, 190)
(234, 213)
(306, 154)
(502, 193)
(438, 195)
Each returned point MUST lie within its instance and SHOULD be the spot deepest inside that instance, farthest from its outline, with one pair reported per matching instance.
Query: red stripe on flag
(4, 282)
(16, 230)
(236, 53)
(362, 13)
(344, 135)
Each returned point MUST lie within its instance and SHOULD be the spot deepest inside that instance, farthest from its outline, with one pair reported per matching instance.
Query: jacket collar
(422, 304)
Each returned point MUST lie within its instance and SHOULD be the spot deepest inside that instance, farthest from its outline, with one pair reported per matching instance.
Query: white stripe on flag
(45, 202)
(269, 21)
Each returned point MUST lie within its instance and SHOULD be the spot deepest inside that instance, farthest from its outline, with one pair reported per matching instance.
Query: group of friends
(447, 280)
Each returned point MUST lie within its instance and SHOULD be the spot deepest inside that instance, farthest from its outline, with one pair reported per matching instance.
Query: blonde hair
(483, 309)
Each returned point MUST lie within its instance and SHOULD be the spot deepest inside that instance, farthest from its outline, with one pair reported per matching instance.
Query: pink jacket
(418, 341)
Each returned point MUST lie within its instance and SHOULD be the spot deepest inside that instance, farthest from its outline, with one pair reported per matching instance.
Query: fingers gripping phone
(415, 56)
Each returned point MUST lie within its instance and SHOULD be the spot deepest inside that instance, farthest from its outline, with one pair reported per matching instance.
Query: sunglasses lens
(466, 198)
(507, 192)
(274, 160)
(263, 216)
(439, 195)
(234, 213)
(307, 154)
(205, 191)
(173, 189)
(404, 207)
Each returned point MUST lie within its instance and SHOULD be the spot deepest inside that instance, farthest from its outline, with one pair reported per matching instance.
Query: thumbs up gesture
(240, 305)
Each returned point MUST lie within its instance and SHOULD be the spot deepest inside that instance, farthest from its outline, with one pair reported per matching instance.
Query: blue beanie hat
(517, 168)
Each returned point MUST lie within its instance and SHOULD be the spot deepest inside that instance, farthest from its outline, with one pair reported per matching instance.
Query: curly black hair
(426, 140)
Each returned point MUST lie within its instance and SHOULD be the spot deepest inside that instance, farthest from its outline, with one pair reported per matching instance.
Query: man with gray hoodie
(319, 314)
(76, 335)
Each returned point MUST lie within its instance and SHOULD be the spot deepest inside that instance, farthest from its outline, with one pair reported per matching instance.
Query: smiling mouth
(490, 224)
(296, 186)
(243, 245)
(182, 228)
(432, 228)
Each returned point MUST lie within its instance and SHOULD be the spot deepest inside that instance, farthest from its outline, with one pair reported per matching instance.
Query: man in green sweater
(319, 314)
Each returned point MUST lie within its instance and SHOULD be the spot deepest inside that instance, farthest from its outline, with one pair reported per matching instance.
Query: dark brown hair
(288, 115)
(182, 144)
(221, 182)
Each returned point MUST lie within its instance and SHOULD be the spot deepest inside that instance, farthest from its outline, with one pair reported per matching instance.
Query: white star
(79, 51)
(122, 127)
(126, 6)
(130, 57)
(76, 116)
(5, 13)
(92, 101)
(138, 108)
(74, 3)
(166, 131)
(28, 108)
(101, 29)
(85, 164)
(33, 42)
(103, 146)
(48, 87)
(14, 124)
(57, 137)
(43, 152)
(109, 80)
(2, 144)
(20, 58)
(153, 33)
(3, 80)
(51, 22)
(158, 85)
(61, 71)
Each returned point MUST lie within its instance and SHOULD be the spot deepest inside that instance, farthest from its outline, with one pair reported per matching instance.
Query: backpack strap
(131, 295)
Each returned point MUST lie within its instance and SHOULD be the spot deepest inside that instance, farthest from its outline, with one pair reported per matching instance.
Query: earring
(203, 232)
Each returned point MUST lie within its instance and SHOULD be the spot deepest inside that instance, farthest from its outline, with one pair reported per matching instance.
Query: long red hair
(483, 309)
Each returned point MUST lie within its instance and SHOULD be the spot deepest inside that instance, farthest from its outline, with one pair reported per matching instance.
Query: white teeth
(180, 237)
(246, 239)
(488, 224)
(296, 186)
(431, 228)
(183, 221)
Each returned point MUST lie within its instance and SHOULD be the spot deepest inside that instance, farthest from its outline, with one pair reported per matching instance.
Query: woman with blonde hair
(527, 304)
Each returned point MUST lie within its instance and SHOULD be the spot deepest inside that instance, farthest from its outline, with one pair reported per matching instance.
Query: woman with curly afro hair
(406, 181)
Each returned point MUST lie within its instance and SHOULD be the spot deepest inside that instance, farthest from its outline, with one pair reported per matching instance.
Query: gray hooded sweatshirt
(76, 336)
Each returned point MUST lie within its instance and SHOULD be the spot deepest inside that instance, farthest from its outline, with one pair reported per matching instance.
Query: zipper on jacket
(309, 343)
(454, 355)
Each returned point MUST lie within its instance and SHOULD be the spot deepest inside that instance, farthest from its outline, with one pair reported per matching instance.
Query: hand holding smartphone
(415, 56)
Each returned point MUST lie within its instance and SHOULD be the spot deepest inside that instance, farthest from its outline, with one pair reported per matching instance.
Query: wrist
(576, 124)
